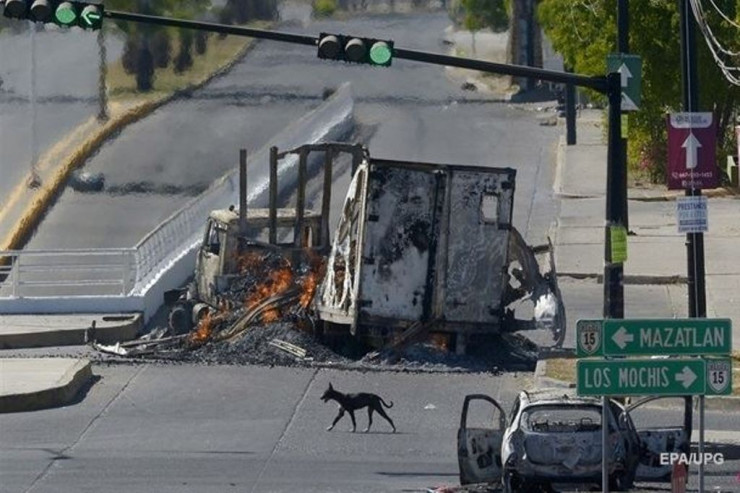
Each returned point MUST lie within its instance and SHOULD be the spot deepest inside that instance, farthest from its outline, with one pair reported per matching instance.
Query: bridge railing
(80, 272)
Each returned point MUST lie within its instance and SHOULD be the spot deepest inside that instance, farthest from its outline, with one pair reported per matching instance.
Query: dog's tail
(386, 405)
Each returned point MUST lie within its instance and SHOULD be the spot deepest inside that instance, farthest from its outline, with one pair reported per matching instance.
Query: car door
(673, 436)
(482, 426)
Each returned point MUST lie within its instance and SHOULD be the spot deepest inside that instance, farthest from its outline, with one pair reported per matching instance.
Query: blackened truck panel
(477, 244)
(398, 235)
(435, 243)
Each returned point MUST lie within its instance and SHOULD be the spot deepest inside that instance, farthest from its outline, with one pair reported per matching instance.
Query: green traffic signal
(91, 18)
(381, 53)
(65, 14)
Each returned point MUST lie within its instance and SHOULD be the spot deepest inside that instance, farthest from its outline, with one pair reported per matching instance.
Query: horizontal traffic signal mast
(62, 13)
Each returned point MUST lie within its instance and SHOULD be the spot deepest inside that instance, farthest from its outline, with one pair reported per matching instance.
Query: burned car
(555, 437)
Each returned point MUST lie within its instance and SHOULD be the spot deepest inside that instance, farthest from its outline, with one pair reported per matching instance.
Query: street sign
(692, 214)
(630, 68)
(654, 337)
(654, 377)
(692, 143)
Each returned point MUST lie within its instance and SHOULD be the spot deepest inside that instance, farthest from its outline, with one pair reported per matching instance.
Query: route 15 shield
(719, 376)
(589, 336)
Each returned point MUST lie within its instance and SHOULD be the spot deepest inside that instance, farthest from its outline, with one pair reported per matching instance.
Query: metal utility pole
(616, 194)
(694, 241)
(623, 47)
(103, 114)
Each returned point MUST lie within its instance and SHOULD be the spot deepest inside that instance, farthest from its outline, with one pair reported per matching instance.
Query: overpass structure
(134, 279)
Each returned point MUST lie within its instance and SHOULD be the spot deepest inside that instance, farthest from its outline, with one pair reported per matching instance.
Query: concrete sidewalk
(656, 253)
(29, 384)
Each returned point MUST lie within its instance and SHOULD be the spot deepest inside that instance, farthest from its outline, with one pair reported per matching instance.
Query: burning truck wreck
(421, 252)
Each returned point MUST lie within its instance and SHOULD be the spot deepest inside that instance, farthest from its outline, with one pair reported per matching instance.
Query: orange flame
(204, 330)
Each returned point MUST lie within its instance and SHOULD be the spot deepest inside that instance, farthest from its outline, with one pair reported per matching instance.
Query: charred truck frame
(419, 248)
(431, 248)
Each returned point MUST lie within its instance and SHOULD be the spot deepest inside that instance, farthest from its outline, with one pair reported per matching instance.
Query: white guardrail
(164, 258)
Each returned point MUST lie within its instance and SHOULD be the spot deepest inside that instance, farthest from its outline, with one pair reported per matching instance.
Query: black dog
(353, 402)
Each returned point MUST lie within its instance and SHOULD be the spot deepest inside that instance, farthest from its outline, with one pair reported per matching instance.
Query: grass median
(220, 54)
(564, 369)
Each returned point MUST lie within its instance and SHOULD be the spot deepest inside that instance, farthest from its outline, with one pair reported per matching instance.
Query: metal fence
(88, 272)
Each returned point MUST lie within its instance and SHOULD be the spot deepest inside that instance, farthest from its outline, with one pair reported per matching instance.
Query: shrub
(324, 8)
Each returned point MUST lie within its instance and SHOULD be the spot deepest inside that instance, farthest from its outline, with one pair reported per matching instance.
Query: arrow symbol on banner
(692, 145)
(686, 377)
(624, 71)
(621, 337)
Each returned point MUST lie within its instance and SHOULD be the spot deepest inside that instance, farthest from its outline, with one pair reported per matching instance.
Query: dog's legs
(354, 423)
(382, 413)
(369, 418)
(339, 416)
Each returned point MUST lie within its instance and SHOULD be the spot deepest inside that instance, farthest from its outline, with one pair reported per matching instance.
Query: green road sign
(630, 68)
(654, 337)
(654, 377)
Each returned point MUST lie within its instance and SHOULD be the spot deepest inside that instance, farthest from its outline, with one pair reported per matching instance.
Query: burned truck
(236, 239)
(419, 249)
(430, 248)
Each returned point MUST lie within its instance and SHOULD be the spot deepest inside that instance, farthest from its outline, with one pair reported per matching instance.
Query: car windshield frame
(524, 425)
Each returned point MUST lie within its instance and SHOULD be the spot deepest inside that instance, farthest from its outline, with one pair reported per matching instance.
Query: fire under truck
(419, 248)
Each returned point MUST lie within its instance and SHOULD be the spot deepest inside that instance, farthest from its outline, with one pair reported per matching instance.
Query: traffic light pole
(694, 241)
(597, 83)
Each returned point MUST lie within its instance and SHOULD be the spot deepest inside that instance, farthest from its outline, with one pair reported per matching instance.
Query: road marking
(717, 436)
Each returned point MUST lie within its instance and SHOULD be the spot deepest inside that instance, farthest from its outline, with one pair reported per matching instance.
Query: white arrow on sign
(621, 337)
(686, 377)
(624, 71)
(692, 145)
(627, 103)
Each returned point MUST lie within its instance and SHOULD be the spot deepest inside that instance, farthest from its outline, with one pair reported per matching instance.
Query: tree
(585, 32)
(480, 14)
(147, 47)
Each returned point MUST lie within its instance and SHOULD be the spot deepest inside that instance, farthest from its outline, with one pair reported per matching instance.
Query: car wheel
(180, 320)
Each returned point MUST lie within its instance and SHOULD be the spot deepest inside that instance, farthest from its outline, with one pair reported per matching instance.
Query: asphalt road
(143, 428)
(188, 428)
(66, 90)
(409, 111)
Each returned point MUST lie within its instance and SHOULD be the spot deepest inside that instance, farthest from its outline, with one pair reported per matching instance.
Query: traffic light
(63, 13)
(357, 50)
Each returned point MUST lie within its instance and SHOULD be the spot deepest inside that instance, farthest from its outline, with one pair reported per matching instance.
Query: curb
(105, 334)
(69, 385)
(635, 279)
(670, 196)
(32, 216)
